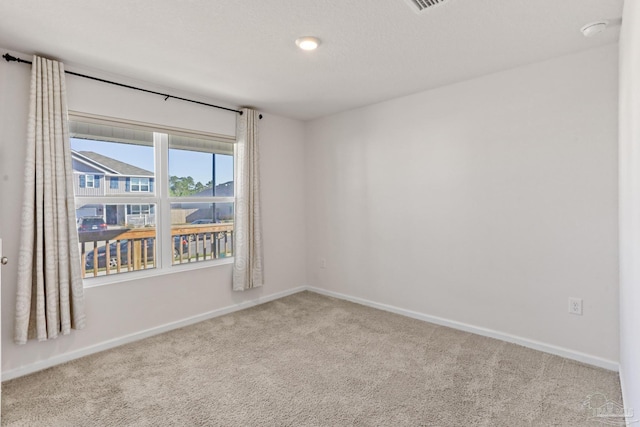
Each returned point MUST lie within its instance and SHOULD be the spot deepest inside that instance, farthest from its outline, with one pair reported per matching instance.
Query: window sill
(92, 282)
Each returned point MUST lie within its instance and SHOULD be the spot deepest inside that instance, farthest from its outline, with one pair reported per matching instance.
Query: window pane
(109, 163)
(123, 164)
(121, 237)
(224, 176)
(201, 231)
(200, 168)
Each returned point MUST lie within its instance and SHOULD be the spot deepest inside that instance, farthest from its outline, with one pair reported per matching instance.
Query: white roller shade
(100, 132)
(198, 144)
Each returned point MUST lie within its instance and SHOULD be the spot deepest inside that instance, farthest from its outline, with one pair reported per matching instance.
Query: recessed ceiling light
(594, 28)
(307, 43)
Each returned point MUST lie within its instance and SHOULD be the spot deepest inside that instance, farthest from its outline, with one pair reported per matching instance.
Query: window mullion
(163, 229)
(207, 199)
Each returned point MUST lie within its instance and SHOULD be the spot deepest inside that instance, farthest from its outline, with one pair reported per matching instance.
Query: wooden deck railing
(118, 250)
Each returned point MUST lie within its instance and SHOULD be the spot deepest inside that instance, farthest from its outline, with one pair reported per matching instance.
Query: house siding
(88, 191)
(115, 191)
(82, 167)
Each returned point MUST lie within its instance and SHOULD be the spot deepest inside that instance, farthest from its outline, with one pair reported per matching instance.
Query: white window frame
(140, 183)
(89, 179)
(159, 197)
(143, 208)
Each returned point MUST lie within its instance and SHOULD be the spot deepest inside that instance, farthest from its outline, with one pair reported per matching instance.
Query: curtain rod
(10, 58)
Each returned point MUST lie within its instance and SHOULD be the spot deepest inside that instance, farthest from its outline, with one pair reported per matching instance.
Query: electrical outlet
(323, 263)
(575, 306)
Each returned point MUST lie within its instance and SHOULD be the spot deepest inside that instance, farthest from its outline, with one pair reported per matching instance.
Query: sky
(181, 163)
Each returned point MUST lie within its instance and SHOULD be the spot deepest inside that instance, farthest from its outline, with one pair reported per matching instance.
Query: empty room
(334, 213)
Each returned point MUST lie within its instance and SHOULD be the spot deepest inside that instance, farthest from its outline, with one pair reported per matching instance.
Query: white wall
(630, 207)
(489, 202)
(118, 310)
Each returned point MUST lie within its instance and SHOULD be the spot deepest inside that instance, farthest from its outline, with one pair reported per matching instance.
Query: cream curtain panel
(248, 265)
(50, 297)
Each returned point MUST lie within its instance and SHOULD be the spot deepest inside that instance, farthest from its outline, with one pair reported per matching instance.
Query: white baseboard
(525, 342)
(622, 389)
(536, 345)
(633, 417)
(66, 357)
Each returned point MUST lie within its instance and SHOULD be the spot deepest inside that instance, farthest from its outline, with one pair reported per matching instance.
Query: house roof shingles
(118, 166)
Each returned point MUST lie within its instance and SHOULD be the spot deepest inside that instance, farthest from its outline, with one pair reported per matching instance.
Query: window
(89, 181)
(189, 220)
(140, 184)
(201, 195)
(140, 209)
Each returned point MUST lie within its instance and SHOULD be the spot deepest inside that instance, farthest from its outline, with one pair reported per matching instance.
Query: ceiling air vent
(420, 6)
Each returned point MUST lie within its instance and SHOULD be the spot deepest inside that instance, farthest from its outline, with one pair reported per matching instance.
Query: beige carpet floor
(310, 360)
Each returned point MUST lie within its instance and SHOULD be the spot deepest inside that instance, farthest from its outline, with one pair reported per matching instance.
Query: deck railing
(123, 250)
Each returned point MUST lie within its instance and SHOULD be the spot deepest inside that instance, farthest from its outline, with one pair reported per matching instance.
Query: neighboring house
(218, 212)
(95, 175)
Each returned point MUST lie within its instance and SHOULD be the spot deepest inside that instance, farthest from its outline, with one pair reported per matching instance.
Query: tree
(180, 186)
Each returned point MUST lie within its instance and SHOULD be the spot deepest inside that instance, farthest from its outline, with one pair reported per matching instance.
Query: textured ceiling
(243, 53)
